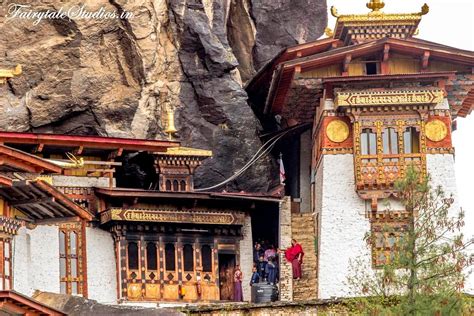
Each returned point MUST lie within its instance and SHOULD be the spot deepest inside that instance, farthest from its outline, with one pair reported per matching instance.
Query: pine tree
(426, 271)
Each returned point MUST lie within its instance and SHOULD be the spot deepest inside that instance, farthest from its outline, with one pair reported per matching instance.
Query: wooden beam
(79, 150)
(58, 220)
(385, 70)
(21, 165)
(45, 210)
(345, 67)
(425, 60)
(39, 148)
(27, 209)
(32, 201)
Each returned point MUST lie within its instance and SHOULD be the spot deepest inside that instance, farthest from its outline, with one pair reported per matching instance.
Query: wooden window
(175, 185)
(182, 185)
(151, 259)
(168, 185)
(132, 252)
(368, 142)
(188, 257)
(411, 141)
(5, 264)
(206, 258)
(390, 141)
(170, 259)
(71, 263)
(386, 237)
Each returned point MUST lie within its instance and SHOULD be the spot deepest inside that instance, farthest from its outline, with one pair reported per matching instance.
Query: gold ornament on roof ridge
(375, 5)
(376, 13)
(170, 129)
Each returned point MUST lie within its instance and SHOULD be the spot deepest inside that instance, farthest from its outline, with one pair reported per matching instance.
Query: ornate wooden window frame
(383, 225)
(6, 268)
(380, 171)
(68, 279)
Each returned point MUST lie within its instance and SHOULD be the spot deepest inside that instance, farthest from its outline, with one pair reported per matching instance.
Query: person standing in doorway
(294, 255)
(238, 276)
(271, 271)
(255, 276)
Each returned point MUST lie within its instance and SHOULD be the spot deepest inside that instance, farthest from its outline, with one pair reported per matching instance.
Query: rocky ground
(115, 77)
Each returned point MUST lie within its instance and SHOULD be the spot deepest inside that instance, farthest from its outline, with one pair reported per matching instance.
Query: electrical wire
(259, 154)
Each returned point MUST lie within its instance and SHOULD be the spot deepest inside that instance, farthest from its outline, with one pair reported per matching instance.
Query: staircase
(302, 227)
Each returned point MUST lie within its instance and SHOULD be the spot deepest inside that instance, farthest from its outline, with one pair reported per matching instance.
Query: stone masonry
(286, 279)
(303, 229)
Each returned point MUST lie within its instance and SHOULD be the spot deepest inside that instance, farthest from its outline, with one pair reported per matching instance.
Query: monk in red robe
(294, 255)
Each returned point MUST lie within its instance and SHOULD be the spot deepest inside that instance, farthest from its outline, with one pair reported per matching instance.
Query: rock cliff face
(118, 77)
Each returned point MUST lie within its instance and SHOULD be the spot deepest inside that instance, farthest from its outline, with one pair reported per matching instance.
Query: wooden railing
(380, 172)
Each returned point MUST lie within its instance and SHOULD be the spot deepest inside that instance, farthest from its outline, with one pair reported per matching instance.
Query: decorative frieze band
(173, 216)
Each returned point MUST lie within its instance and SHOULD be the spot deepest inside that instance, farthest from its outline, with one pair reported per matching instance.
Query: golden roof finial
(376, 5)
(5, 74)
(329, 32)
(170, 129)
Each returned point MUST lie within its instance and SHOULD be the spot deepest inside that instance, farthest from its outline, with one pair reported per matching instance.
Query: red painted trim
(121, 192)
(29, 303)
(111, 143)
(31, 162)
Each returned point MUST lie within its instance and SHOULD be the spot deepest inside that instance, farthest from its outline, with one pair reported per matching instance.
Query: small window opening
(371, 68)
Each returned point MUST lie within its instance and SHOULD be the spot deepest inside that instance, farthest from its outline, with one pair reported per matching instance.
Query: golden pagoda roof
(186, 151)
(355, 28)
(9, 73)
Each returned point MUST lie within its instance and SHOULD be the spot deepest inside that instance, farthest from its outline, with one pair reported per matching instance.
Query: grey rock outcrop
(115, 77)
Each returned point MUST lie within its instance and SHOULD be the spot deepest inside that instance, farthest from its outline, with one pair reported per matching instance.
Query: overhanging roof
(14, 303)
(12, 159)
(122, 192)
(39, 200)
(83, 143)
(285, 72)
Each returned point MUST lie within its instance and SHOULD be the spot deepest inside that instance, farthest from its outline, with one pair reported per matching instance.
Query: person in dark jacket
(255, 276)
(261, 267)
(271, 272)
(257, 252)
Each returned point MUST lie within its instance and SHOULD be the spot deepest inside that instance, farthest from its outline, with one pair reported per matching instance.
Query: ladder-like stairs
(303, 230)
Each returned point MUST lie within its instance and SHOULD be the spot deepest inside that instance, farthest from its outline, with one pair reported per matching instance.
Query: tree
(425, 272)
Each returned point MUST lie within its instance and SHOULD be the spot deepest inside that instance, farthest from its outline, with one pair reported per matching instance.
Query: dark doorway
(265, 225)
(226, 276)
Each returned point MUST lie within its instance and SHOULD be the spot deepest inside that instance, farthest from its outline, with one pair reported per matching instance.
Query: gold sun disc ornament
(337, 131)
(436, 130)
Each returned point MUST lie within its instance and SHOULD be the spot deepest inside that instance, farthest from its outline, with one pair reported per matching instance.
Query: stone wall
(83, 182)
(101, 266)
(286, 277)
(343, 225)
(36, 260)
(303, 230)
(246, 257)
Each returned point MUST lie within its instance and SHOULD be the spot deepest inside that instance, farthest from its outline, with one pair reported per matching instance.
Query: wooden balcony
(380, 172)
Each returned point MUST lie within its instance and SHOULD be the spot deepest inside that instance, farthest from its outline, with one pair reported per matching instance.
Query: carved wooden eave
(41, 201)
(9, 73)
(288, 71)
(357, 28)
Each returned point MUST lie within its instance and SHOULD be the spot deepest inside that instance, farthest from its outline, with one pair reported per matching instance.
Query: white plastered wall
(441, 169)
(101, 266)
(36, 260)
(343, 224)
